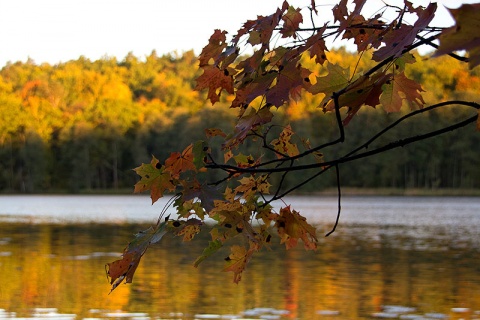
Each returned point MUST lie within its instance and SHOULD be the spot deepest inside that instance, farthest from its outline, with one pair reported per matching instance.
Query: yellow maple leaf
(291, 226)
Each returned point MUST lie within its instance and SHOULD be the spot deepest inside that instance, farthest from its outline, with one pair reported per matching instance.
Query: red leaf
(180, 162)
(397, 39)
(290, 81)
(215, 80)
(316, 46)
(124, 269)
(291, 22)
(214, 48)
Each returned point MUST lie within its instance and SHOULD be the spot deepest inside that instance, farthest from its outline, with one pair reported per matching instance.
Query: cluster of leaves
(239, 205)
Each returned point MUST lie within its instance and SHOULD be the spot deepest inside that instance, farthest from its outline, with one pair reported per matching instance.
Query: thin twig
(339, 202)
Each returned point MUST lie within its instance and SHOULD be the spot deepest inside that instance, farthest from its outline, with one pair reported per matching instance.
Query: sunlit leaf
(180, 162)
(215, 80)
(155, 178)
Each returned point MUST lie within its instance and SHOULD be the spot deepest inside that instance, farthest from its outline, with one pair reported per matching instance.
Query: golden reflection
(62, 267)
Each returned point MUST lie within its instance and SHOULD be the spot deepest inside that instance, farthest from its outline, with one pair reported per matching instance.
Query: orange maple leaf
(215, 80)
(180, 162)
(250, 186)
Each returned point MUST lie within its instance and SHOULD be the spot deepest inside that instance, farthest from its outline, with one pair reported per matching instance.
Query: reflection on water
(423, 265)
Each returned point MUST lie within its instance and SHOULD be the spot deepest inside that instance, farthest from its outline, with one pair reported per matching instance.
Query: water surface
(391, 257)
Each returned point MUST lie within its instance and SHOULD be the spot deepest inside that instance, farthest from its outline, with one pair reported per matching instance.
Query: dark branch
(337, 171)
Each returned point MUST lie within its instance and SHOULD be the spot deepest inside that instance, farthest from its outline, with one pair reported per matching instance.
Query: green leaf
(336, 79)
(155, 178)
(213, 247)
(200, 151)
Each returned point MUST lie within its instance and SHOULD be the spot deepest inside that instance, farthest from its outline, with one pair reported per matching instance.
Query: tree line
(84, 125)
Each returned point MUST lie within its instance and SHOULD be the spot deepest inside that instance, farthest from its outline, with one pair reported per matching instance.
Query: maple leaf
(336, 79)
(365, 90)
(200, 151)
(250, 186)
(253, 88)
(283, 145)
(340, 14)
(180, 162)
(244, 161)
(391, 98)
(317, 155)
(316, 46)
(213, 132)
(313, 6)
(289, 82)
(291, 22)
(124, 269)
(397, 39)
(291, 226)
(216, 44)
(187, 207)
(401, 61)
(213, 247)
(237, 261)
(188, 229)
(215, 80)
(206, 193)
(248, 123)
(155, 178)
(464, 35)
(368, 34)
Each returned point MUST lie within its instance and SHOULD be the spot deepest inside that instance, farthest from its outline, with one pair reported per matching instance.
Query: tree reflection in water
(354, 274)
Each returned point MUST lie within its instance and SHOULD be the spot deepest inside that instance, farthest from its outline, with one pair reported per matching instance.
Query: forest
(82, 126)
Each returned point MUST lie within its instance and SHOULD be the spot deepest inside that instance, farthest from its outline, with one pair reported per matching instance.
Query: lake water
(391, 257)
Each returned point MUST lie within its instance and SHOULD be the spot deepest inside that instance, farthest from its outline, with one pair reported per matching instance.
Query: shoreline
(345, 191)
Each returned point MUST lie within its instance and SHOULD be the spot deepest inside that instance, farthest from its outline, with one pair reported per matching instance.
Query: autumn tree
(270, 62)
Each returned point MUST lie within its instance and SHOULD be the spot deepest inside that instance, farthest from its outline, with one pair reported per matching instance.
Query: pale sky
(60, 30)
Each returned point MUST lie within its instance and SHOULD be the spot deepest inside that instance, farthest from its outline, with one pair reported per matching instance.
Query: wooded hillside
(83, 125)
